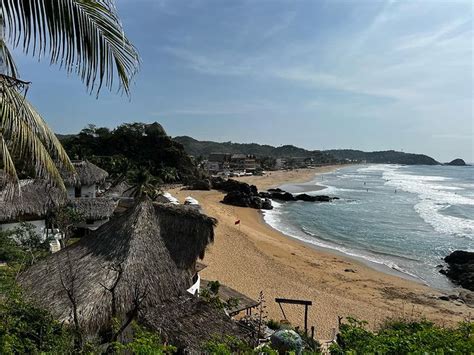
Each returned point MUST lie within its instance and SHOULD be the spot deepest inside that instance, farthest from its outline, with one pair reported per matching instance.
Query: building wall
(86, 191)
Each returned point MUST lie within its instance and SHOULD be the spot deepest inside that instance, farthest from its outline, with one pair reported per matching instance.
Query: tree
(84, 37)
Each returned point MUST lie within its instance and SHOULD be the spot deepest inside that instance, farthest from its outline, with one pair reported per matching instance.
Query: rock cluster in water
(244, 195)
(460, 268)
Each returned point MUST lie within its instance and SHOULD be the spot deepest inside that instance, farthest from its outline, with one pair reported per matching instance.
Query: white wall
(39, 226)
(86, 191)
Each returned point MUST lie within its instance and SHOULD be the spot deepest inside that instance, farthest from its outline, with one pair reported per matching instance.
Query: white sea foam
(434, 197)
(328, 190)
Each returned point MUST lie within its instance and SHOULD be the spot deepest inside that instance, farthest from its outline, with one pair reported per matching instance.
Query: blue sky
(370, 75)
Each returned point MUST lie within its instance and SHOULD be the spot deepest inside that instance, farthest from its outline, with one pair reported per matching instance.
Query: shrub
(273, 324)
(25, 329)
(404, 337)
(226, 345)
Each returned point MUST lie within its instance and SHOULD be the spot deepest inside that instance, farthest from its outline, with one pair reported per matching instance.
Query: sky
(319, 74)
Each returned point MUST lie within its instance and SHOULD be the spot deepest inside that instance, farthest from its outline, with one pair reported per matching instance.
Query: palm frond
(83, 36)
(9, 66)
(28, 137)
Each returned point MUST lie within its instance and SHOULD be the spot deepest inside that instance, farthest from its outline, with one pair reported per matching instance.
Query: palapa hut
(145, 256)
(86, 180)
(29, 204)
(82, 191)
(94, 212)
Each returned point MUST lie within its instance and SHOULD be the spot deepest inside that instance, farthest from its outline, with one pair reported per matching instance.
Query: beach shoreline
(253, 257)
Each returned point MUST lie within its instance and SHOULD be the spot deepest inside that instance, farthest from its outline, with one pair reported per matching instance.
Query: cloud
(445, 32)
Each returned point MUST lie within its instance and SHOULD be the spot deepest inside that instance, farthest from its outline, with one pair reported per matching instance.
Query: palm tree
(84, 37)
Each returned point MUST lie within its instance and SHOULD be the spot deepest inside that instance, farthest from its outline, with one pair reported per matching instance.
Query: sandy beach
(254, 257)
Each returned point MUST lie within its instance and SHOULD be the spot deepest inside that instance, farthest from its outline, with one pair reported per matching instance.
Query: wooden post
(306, 319)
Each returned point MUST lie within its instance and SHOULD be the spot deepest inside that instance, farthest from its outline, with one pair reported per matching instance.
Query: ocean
(403, 218)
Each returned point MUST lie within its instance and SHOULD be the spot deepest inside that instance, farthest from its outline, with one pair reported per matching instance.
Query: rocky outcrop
(204, 185)
(241, 199)
(230, 185)
(457, 162)
(460, 268)
(244, 195)
(281, 195)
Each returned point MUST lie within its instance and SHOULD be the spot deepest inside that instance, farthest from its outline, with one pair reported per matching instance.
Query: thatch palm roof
(34, 198)
(86, 174)
(189, 322)
(152, 247)
(93, 208)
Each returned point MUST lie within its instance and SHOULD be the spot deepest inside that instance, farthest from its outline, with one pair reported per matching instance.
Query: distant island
(457, 162)
(205, 149)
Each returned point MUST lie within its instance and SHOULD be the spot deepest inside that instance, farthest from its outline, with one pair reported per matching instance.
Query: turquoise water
(405, 217)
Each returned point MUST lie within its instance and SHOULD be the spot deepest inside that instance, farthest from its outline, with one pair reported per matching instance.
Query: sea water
(406, 218)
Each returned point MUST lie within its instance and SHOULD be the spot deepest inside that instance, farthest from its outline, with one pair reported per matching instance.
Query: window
(77, 191)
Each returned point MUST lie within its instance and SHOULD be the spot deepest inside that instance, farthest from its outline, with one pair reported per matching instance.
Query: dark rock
(233, 185)
(276, 190)
(457, 162)
(241, 199)
(265, 195)
(444, 298)
(350, 270)
(460, 268)
(453, 297)
(305, 197)
(283, 196)
(467, 297)
(460, 257)
(204, 185)
(267, 204)
(323, 198)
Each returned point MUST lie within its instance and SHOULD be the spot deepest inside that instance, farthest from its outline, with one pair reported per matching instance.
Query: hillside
(383, 157)
(204, 148)
(130, 147)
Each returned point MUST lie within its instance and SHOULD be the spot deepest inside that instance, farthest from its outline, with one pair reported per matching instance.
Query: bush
(404, 337)
(25, 329)
(273, 324)
(144, 343)
(226, 345)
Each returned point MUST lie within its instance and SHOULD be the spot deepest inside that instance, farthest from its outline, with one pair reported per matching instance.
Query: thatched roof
(120, 189)
(190, 322)
(35, 198)
(155, 246)
(94, 208)
(86, 174)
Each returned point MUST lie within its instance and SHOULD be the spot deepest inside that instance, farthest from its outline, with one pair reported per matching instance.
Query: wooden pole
(306, 319)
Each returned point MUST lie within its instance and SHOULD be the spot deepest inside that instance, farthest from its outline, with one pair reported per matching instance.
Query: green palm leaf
(83, 36)
(25, 135)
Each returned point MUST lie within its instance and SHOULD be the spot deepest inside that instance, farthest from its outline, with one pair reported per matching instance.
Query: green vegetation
(383, 157)
(211, 295)
(22, 246)
(95, 48)
(268, 154)
(226, 345)
(132, 150)
(144, 343)
(404, 337)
